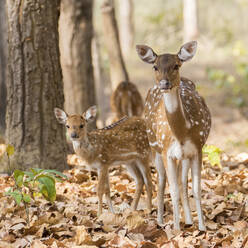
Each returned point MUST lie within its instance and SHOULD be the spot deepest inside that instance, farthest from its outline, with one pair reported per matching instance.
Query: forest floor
(71, 221)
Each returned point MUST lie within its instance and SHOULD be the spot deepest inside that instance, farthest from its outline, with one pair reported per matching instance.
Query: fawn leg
(146, 174)
(107, 193)
(161, 186)
(102, 174)
(184, 169)
(135, 173)
(196, 186)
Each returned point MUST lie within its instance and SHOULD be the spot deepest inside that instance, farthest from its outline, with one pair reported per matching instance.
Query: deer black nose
(74, 135)
(165, 85)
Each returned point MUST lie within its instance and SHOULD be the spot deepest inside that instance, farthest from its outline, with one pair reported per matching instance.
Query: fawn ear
(146, 53)
(90, 114)
(187, 51)
(60, 115)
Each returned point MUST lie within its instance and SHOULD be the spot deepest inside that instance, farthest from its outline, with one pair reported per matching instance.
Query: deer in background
(126, 101)
(124, 142)
(178, 124)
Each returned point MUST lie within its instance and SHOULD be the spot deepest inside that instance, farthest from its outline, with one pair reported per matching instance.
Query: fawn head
(166, 66)
(76, 125)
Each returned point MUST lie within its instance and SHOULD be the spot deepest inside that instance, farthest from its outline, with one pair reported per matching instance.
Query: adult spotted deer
(178, 124)
(126, 101)
(124, 142)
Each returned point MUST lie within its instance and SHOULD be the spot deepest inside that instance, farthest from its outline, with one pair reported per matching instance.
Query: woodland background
(67, 54)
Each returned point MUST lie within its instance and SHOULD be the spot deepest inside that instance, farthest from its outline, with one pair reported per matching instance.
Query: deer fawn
(124, 142)
(178, 124)
(126, 101)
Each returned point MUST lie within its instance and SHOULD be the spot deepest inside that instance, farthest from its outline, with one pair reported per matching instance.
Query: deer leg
(196, 186)
(107, 193)
(184, 169)
(135, 173)
(102, 173)
(146, 174)
(161, 186)
(172, 176)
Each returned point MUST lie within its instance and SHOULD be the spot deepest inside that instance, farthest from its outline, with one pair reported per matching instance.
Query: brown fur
(178, 124)
(126, 101)
(124, 142)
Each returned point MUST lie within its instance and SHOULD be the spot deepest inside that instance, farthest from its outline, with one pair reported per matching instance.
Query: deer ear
(146, 53)
(60, 115)
(187, 51)
(90, 114)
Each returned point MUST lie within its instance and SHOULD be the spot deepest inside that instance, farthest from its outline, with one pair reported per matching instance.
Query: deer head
(166, 66)
(76, 125)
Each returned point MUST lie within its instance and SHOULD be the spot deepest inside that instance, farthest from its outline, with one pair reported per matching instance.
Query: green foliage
(213, 154)
(33, 183)
(10, 150)
(237, 84)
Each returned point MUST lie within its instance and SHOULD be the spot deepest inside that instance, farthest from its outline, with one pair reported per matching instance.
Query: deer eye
(176, 67)
(81, 126)
(67, 126)
(155, 68)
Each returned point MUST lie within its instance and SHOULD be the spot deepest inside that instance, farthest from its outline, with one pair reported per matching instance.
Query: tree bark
(190, 20)
(118, 72)
(126, 22)
(102, 85)
(3, 65)
(76, 31)
(35, 85)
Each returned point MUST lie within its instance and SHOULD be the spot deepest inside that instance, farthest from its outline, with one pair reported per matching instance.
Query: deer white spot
(163, 136)
(170, 101)
(153, 144)
(197, 123)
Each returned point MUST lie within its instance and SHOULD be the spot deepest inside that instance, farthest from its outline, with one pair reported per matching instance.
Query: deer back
(126, 100)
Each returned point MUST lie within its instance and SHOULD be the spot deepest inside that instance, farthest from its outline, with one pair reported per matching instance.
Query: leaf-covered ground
(71, 221)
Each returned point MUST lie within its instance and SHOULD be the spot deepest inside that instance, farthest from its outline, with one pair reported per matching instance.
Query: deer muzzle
(74, 135)
(165, 85)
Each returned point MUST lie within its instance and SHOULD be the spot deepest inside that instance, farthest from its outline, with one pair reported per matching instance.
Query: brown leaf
(134, 220)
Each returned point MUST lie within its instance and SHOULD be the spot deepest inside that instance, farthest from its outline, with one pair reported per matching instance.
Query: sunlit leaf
(26, 198)
(48, 189)
(16, 195)
(18, 175)
(10, 150)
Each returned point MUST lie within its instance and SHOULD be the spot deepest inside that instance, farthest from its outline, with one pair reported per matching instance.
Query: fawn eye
(67, 126)
(81, 126)
(176, 67)
(155, 68)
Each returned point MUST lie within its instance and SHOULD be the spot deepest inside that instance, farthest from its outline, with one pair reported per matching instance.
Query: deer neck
(82, 145)
(175, 113)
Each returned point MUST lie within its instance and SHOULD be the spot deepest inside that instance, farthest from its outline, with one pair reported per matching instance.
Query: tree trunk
(190, 20)
(126, 26)
(3, 65)
(35, 85)
(102, 85)
(76, 31)
(118, 72)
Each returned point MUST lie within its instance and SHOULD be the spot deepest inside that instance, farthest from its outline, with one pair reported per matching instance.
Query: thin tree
(118, 72)
(3, 65)
(76, 32)
(126, 23)
(35, 85)
(190, 20)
